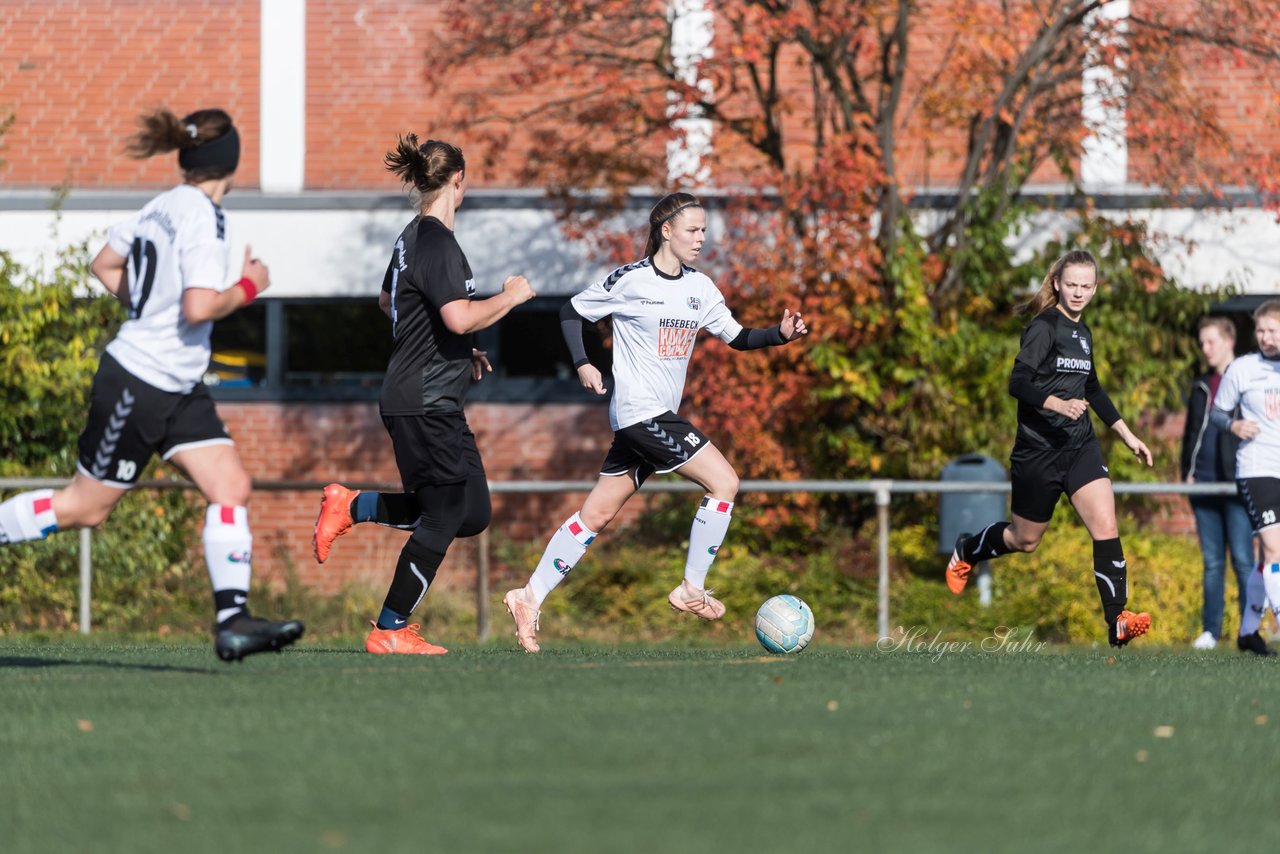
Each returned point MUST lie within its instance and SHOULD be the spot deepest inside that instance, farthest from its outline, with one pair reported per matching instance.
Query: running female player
(1056, 451)
(1252, 382)
(658, 304)
(428, 292)
(168, 264)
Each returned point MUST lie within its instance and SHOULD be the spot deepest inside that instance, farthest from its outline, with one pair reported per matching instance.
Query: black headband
(221, 154)
(671, 215)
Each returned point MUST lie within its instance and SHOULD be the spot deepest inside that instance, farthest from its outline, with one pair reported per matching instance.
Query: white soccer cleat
(696, 601)
(521, 607)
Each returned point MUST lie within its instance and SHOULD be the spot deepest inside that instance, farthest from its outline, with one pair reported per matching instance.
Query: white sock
(1255, 600)
(228, 550)
(566, 548)
(28, 516)
(710, 524)
(1271, 582)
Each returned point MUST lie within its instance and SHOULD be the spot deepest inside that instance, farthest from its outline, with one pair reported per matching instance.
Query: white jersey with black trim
(177, 241)
(1253, 383)
(656, 319)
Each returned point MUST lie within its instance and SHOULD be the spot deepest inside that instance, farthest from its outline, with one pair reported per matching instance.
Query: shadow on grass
(35, 662)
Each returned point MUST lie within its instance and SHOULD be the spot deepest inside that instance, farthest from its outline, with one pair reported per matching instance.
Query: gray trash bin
(969, 512)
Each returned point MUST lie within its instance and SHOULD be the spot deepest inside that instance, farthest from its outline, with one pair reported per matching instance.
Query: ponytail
(206, 141)
(428, 167)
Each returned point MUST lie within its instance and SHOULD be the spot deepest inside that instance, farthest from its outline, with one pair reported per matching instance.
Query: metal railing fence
(883, 490)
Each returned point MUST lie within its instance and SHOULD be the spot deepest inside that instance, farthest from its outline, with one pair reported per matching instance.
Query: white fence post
(86, 578)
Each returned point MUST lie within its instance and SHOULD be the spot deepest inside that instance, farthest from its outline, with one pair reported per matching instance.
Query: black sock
(1112, 577)
(986, 545)
(229, 604)
(393, 509)
(415, 571)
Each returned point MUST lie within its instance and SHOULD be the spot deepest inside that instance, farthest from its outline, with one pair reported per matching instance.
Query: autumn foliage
(830, 120)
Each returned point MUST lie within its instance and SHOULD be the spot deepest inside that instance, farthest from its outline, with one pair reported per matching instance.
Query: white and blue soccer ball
(784, 624)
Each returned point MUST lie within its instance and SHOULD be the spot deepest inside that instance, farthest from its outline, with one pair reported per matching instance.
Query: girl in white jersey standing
(168, 264)
(1252, 382)
(658, 305)
(1056, 383)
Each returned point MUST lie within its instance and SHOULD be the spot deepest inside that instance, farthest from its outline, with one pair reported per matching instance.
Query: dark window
(336, 343)
(337, 349)
(239, 344)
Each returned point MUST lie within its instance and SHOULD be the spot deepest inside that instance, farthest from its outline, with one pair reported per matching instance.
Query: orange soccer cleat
(334, 519)
(958, 569)
(404, 641)
(1129, 626)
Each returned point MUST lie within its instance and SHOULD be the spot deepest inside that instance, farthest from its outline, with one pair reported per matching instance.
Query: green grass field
(140, 747)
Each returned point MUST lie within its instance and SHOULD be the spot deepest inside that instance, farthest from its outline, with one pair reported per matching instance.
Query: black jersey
(1059, 351)
(430, 367)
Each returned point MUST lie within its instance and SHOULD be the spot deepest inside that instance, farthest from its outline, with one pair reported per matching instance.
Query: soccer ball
(784, 624)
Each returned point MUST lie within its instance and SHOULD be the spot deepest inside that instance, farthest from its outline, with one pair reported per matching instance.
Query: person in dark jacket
(1209, 456)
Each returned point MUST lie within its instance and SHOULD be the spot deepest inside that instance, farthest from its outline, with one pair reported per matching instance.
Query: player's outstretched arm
(200, 303)
(466, 316)
(791, 328)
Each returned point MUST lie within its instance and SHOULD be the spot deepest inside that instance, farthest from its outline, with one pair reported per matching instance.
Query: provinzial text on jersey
(1081, 365)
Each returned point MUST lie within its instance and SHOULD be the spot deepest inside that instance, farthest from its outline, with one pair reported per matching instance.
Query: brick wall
(75, 74)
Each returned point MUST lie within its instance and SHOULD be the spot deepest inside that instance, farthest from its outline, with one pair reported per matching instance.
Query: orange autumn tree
(829, 118)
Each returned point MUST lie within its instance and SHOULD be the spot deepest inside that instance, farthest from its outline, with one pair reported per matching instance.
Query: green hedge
(619, 589)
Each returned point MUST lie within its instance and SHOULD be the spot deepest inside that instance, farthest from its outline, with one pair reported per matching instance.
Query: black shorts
(1261, 497)
(1040, 476)
(656, 446)
(433, 449)
(130, 420)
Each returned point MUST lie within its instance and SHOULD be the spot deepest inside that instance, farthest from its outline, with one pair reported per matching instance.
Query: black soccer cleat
(1253, 643)
(244, 635)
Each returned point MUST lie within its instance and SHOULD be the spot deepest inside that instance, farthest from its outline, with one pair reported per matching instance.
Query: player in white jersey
(168, 265)
(658, 305)
(1252, 382)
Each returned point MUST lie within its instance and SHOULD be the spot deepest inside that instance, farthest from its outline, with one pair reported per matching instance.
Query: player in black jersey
(429, 294)
(1056, 451)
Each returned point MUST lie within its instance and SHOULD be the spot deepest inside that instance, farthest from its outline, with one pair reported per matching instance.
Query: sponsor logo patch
(238, 557)
(561, 567)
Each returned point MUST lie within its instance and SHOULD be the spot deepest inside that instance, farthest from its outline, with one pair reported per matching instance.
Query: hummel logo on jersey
(695, 303)
(652, 302)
